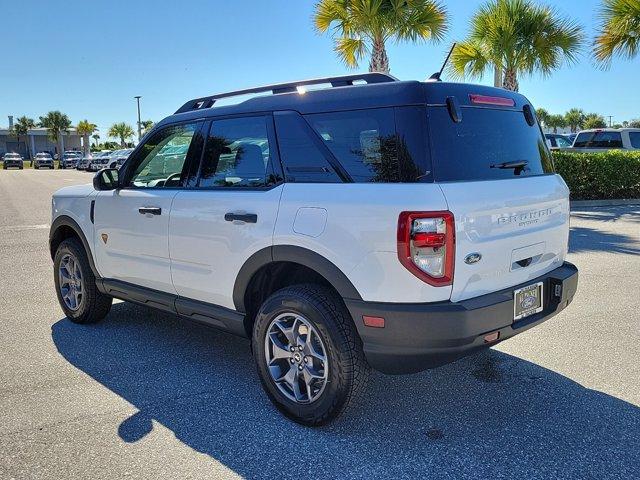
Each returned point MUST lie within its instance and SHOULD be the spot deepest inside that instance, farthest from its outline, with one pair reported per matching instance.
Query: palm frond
(351, 50)
(619, 31)
(469, 60)
(523, 37)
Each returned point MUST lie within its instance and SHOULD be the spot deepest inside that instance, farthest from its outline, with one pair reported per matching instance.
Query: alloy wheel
(71, 282)
(296, 358)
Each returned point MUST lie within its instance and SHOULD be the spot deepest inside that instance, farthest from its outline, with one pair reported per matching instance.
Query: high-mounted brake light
(486, 100)
(426, 243)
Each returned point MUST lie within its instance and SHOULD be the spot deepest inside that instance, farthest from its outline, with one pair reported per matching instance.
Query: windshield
(12, 155)
(45, 156)
(487, 144)
(599, 139)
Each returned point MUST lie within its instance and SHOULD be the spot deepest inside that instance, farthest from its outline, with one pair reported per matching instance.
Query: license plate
(527, 301)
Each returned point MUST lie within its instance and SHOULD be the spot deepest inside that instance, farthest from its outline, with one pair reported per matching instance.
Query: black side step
(213, 315)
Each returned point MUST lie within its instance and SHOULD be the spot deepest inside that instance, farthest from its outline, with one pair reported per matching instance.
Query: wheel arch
(64, 227)
(294, 255)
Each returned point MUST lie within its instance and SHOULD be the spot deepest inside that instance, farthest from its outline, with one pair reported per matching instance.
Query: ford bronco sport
(379, 223)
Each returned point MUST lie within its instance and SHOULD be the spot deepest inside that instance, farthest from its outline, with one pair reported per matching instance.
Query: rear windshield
(598, 140)
(487, 144)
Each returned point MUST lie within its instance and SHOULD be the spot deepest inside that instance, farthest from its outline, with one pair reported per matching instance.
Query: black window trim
(128, 170)
(319, 144)
(274, 156)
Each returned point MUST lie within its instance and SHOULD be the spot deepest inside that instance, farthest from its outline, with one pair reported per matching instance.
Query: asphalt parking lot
(147, 395)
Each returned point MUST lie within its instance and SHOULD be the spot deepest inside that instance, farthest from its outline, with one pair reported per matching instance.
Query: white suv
(376, 223)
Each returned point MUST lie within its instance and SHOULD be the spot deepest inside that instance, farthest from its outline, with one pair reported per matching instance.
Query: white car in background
(600, 139)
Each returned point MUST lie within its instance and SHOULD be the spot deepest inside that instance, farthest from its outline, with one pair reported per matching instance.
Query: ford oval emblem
(472, 258)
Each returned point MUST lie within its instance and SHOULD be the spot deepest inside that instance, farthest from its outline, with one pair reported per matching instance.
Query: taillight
(426, 243)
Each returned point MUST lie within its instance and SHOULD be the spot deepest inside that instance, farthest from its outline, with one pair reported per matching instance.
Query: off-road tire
(348, 370)
(94, 305)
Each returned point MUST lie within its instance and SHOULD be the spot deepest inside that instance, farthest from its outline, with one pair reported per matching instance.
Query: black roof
(387, 92)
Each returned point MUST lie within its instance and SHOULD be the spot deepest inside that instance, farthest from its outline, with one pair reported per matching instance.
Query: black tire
(348, 370)
(94, 305)
(20, 168)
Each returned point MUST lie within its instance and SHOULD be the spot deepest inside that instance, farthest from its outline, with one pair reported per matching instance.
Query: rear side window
(238, 154)
(598, 140)
(368, 146)
(487, 144)
(634, 138)
(301, 155)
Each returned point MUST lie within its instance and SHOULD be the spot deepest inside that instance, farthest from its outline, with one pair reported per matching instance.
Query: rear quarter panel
(355, 227)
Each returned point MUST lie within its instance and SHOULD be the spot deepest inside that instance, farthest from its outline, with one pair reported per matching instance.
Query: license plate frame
(522, 305)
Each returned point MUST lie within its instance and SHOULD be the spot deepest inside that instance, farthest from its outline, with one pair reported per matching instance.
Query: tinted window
(563, 142)
(485, 140)
(237, 154)
(367, 146)
(302, 158)
(160, 161)
(634, 137)
(601, 139)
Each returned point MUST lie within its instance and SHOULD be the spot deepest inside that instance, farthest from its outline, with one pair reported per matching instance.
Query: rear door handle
(243, 217)
(150, 210)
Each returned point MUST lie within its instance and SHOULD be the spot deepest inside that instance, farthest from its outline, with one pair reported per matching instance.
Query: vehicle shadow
(586, 239)
(488, 416)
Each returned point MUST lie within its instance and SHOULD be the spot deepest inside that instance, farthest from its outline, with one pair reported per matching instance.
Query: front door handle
(150, 210)
(243, 217)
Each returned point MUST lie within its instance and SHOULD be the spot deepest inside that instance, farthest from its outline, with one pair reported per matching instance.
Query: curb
(605, 203)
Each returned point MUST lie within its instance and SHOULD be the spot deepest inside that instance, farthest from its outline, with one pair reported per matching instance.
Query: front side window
(634, 138)
(562, 142)
(161, 160)
(237, 154)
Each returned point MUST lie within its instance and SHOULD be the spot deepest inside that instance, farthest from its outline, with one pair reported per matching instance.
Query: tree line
(576, 119)
(58, 124)
(510, 38)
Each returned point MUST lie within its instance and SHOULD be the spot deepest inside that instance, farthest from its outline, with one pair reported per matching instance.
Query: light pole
(138, 97)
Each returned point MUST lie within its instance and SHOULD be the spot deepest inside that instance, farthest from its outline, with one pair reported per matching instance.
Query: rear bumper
(426, 335)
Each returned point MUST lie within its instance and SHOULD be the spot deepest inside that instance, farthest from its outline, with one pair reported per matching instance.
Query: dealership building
(36, 140)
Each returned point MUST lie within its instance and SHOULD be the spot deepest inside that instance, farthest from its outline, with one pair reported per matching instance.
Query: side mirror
(106, 179)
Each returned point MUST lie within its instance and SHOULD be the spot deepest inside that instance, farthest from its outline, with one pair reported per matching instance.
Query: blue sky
(88, 59)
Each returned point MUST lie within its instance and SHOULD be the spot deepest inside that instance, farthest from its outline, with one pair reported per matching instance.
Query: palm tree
(56, 124)
(21, 128)
(122, 131)
(574, 119)
(516, 37)
(362, 27)
(593, 120)
(96, 137)
(85, 128)
(146, 125)
(543, 116)
(556, 122)
(619, 31)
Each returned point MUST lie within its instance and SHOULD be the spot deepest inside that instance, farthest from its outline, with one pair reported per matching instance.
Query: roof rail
(341, 81)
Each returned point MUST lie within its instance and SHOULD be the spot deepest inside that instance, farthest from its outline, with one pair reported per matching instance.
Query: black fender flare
(293, 254)
(67, 221)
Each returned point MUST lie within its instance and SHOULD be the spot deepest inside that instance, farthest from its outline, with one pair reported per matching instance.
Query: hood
(75, 191)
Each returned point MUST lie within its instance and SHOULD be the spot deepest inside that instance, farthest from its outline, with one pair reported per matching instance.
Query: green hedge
(593, 176)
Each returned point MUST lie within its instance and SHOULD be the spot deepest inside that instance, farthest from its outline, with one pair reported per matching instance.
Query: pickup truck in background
(598, 140)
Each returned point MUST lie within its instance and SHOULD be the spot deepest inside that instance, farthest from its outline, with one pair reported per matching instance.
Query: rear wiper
(519, 164)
